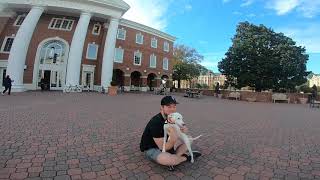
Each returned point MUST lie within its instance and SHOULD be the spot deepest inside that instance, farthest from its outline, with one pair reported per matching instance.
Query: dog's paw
(192, 161)
(163, 150)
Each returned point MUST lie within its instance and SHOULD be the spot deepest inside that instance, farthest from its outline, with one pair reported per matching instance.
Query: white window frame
(96, 54)
(166, 46)
(4, 44)
(134, 58)
(54, 20)
(115, 52)
(155, 61)
(18, 18)
(99, 25)
(139, 34)
(156, 42)
(163, 67)
(125, 33)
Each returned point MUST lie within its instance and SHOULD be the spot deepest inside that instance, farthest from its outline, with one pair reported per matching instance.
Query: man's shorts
(153, 153)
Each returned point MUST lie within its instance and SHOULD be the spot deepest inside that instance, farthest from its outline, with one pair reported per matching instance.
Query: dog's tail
(196, 137)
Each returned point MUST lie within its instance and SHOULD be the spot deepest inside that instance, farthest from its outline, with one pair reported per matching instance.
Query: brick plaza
(52, 135)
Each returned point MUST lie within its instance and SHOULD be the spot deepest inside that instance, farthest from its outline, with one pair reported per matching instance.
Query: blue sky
(209, 25)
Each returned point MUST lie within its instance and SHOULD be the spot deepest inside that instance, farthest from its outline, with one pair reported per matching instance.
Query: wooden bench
(199, 94)
(280, 97)
(314, 104)
(234, 95)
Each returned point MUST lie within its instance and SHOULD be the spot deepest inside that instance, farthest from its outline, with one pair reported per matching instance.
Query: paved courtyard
(52, 135)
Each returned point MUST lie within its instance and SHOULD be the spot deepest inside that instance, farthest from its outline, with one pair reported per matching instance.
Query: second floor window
(118, 57)
(166, 46)
(92, 51)
(153, 61)
(165, 64)
(154, 42)
(139, 38)
(61, 24)
(137, 58)
(121, 34)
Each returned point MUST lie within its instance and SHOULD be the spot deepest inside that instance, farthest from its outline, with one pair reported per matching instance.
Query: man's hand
(184, 129)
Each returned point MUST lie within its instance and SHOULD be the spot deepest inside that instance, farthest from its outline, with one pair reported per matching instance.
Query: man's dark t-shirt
(154, 129)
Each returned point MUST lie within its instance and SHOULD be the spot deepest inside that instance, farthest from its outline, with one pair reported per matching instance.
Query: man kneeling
(152, 138)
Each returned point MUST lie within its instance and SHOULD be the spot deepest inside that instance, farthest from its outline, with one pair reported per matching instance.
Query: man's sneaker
(196, 154)
(2, 93)
(187, 153)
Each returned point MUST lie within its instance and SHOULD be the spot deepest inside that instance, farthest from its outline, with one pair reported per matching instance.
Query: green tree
(186, 64)
(263, 59)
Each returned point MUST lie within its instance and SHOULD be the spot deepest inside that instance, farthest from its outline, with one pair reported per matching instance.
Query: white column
(19, 49)
(108, 53)
(76, 49)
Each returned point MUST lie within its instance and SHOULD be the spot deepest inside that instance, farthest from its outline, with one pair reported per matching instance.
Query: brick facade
(42, 32)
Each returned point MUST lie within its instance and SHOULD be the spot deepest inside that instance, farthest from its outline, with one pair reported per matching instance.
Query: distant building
(209, 79)
(314, 79)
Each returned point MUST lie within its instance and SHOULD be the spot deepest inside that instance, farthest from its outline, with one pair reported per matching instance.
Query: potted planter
(113, 88)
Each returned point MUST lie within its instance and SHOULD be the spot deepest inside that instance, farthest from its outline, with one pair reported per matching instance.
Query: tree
(186, 64)
(263, 59)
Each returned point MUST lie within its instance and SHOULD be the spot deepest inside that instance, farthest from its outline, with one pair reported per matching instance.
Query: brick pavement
(52, 135)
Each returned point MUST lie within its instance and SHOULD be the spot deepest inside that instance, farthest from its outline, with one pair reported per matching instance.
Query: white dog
(182, 136)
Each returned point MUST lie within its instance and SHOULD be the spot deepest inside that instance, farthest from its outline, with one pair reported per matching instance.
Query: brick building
(70, 43)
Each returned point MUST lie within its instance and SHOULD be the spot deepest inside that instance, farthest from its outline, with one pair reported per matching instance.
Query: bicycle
(76, 88)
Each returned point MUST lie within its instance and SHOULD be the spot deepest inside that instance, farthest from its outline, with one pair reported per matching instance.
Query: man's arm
(171, 141)
(169, 144)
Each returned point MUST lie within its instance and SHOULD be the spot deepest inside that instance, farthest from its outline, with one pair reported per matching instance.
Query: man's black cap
(167, 100)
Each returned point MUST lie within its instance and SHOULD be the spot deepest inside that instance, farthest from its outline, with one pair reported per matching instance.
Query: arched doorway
(118, 76)
(51, 64)
(151, 81)
(136, 79)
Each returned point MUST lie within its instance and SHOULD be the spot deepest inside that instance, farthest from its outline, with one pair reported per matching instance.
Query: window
(61, 24)
(96, 29)
(19, 20)
(7, 44)
(139, 38)
(154, 42)
(165, 64)
(92, 51)
(166, 46)
(118, 57)
(137, 58)
(153, 61)
(121, 34)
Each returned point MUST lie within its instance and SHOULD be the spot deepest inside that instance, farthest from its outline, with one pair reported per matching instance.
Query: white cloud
(202, 42)
(237, 13)
(251, 15)
(188, 7)
(247, 3)
(151, 13)
(308, 8)
(283, 7)
(307, 35)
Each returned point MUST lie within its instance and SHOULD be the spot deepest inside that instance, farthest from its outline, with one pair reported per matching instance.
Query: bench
(199, 94)
(314, 104)
(234, 95)
(280, 97)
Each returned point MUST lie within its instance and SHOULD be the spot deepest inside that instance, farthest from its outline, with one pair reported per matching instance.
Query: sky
(209, 25)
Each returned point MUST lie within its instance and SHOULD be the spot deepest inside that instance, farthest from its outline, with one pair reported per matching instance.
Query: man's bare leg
(168, 159)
